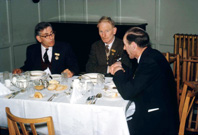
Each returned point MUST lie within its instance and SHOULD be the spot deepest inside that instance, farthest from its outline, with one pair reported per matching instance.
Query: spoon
(99, 95)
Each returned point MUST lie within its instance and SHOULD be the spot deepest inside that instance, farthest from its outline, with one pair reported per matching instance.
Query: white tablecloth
(106, 117)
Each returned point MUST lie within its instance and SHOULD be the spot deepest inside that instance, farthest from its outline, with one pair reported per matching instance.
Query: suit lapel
(102, 51)
(113, 51)
(38, 56)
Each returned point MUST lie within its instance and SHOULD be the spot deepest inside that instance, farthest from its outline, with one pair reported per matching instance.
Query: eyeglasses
(48, 36)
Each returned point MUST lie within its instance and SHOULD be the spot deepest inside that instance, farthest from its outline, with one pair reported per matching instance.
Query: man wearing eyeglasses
(49, 55)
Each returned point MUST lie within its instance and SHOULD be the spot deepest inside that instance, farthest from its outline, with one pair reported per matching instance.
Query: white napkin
(47, 71)
(130, 110)
(4, 90)
(76, 94)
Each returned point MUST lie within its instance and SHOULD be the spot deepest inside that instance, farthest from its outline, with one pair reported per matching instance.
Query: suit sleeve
(129, 86)
(92, 65)
(28, 62)
(71, 60)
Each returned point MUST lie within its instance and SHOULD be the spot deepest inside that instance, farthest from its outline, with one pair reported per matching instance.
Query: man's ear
(38, 38)
(134, 45)
(114, 30)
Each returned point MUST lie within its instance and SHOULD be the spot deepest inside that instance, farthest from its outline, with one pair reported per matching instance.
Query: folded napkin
(76, 94)
(4, 90)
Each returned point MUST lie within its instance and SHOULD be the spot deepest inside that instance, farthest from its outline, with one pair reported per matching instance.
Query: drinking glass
(90, 87)
(100, 80)
(64, 78)
(1, 77)
(22, 82)
(6, 76)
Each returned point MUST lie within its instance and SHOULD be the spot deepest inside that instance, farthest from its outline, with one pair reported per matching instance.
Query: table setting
(81, 97)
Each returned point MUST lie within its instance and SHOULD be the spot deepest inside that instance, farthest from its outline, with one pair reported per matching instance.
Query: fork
(52, 97)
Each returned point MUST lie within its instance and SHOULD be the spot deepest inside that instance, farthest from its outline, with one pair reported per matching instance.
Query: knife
(51, 97)
(14, 94)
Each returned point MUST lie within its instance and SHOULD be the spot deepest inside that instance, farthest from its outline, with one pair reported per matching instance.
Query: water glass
(1, 77)
(90, 88)
(64, 78)
(22, 82)
(100, 80)
(6, 76)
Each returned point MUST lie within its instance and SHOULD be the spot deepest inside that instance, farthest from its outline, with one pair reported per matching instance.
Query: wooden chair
(14, 121)
(188, 86)
(189, 115)
(175, 59)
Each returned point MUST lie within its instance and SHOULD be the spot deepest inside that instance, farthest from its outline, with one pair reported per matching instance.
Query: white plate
(37, 73)
(56, 76)
(90, 76)
(112, 94)
(34, 75)
(32, 96)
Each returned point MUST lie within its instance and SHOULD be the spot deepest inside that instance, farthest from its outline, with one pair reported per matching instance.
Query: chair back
(188, 109)
(14, 121)
(175, 59)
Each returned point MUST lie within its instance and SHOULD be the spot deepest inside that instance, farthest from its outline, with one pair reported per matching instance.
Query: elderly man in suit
(151, 87)
(107, 50)
(48, 55)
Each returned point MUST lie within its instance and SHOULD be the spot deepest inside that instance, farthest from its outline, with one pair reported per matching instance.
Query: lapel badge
(113, 50)
(57, 56)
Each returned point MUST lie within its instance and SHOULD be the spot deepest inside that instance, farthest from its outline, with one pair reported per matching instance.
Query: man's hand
(115, 67)
(69, 73)
(17, 71)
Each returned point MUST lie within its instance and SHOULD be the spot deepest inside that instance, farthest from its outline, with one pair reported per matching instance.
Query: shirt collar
(138, 60)
(43, 48)
(110, 45)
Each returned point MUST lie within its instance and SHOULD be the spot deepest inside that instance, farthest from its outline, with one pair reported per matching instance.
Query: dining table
(107, 116)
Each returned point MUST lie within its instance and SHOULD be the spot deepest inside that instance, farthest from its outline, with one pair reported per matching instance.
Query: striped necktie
(107, 50)
(45, 57)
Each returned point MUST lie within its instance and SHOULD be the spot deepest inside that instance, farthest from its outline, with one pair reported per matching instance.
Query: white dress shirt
(49, 53)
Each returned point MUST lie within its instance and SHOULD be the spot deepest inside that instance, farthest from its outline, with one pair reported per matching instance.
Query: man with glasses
(49, 55)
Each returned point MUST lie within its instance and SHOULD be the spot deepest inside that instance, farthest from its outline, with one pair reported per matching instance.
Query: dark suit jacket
(152, 86)
(97, 62)
(67, 59)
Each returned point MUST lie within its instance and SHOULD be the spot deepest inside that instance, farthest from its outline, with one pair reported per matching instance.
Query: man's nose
(104, 34)
(51, 36)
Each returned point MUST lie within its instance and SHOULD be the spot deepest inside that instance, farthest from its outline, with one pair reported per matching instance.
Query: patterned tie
(46, 57)
(107, 50)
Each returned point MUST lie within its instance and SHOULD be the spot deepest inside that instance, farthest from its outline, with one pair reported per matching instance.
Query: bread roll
(38, 95)
(52, 87)
(61, 87)
(39, 87)
(53, 82)
(114, 95)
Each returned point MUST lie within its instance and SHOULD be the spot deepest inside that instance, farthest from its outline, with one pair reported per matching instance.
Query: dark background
(82, 35)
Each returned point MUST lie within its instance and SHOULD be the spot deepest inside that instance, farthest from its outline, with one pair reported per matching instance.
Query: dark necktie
(107, 50)
(46, 57)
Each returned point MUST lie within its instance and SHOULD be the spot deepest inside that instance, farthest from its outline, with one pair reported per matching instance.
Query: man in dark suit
(151, 87)
(107, 50)
(48, 55)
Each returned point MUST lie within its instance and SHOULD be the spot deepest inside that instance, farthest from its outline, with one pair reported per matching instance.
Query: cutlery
(14, 94)
(119, 59)
(52, 97)
(92, 99)
(99, 95)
